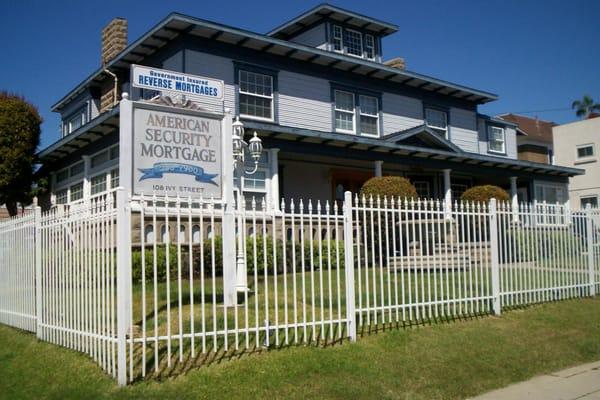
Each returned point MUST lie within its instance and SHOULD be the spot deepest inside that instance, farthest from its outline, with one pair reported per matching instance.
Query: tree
(19, 138)
(584, 107)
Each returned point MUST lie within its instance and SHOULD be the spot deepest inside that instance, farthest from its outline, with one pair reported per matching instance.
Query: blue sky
(536, 55)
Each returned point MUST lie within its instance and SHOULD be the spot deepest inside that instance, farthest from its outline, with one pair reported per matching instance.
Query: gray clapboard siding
(510, 137)
(463, 129)
(304, 102)
(314, 37)
(400, 113)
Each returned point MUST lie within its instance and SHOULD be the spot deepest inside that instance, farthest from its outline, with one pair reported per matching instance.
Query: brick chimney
(397, 62)
(114, 39)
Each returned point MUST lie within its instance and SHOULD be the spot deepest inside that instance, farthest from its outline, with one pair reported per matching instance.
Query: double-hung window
(98, 183)
(369, 47)
(369, 115)
(338, 39)
(75, 121)
(256, 95)
(344, 111)
(77, 191)
(353, 42)
(437, 120)
(496, 140)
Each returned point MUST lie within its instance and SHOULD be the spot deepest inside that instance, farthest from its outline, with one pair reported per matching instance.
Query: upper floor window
(496, 139)
(344, 111)
(437, 120)
(77, 191)
(369, 115)
(585, 151)
(338, 38)
(98, 183)
(369, 47)
(353, 42)
(256, 95)
(74, 121)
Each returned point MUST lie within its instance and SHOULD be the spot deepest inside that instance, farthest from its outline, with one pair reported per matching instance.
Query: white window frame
(437, 128)
(250, 177)
(70, 198)
(68, 121)
(583, 146)
(337, 29)
(588, 196)
(361, 113)
(271, 97)
(360, 35)
(336, 110)
(489, 136)
(370, 46)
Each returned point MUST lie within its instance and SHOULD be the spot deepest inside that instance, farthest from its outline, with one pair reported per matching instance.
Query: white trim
(437, 128)
(367, 36)
(336, 110)
(376, 116)
(360, 35)
(271, 97)
(341, 39)
(489, 129)
(583, 146)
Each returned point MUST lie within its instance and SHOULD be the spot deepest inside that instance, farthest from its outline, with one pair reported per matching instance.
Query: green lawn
(447, 360)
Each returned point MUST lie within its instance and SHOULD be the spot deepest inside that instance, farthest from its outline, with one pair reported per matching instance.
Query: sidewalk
(581, 382)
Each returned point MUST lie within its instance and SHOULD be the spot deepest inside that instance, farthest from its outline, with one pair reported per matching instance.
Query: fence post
(496, 301)
(123, 281)
(589, 230)
(38, 269)
(349, 266)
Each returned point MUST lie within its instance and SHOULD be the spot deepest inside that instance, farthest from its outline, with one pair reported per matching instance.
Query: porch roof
(390, 147)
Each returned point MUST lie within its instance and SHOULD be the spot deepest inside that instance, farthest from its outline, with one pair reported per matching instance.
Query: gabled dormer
(334, 29)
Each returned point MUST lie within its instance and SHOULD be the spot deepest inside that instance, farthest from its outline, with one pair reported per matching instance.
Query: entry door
(343, 180)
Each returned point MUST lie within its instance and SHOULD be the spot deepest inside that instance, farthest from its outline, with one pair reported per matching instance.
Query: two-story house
(330, 111)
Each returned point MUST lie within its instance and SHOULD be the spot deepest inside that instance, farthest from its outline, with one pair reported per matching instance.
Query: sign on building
(177, 152)
(175, 82)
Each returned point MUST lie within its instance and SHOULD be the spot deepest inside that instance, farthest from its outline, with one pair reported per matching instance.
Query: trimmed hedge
(484, 193)
(161, 263)
(389, 186)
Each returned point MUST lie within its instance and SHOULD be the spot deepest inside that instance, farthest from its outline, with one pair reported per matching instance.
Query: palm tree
(584, 107)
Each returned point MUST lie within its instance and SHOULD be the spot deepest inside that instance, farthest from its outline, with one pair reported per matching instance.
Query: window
(369, 47)
(181, 237)
(114, 178)
(550, 193)
(337, 38)
(100, 159)
(62, 175)
(164, 234)
(438, 120)
(458, 189)
(585, 151)
(196, 234)
(256, 182)
(62, 196)
(256, 95)
(422, 188)
(369, 115)
(591, 201)
(344, 111)
(496, 140)
(74, 121)
(353, 43)
(76, 169)
(77, 192)
(114, 152)
(149, 234)
(98, 184)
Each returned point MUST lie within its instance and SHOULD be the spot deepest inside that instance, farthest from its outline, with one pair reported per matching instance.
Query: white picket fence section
(138, 283)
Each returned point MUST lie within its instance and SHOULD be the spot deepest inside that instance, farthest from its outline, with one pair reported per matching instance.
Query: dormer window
(369, 47)
(338, 41)
(353, 42)
(74, 121)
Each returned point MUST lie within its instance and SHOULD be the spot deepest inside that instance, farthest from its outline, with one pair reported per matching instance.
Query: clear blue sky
(536, 55)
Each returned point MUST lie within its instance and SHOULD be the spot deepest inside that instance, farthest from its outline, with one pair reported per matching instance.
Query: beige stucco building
(577, 144)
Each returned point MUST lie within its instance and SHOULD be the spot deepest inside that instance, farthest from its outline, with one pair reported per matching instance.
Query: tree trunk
(12, 208)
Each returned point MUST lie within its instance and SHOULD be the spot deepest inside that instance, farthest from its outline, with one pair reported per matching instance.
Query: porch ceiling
(351, 142)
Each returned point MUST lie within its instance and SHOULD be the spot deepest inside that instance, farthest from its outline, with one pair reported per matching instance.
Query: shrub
(161, 263)
(530, 244)
(484, 193)
(389, 186)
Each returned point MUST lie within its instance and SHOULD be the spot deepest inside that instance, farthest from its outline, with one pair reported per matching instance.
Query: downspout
(116, 86)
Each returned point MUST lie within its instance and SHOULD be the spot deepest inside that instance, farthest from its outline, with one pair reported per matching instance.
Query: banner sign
(172, 81)
(176, 153)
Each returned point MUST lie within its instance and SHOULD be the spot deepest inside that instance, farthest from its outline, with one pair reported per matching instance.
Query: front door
(344, 180)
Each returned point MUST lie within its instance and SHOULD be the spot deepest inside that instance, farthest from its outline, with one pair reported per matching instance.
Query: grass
(441, 361)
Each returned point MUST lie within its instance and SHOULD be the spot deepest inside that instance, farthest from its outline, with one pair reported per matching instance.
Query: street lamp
(254, 148)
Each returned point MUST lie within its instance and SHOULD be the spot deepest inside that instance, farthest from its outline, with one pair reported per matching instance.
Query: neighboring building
(577, 144)
(534, 138)
(330, 112)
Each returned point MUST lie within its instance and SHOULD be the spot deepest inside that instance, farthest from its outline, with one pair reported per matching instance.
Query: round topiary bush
(484, 193)
(390, 187)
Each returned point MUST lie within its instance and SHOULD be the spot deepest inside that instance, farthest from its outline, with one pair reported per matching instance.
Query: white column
(514, 197)
(447, 194)
(378, 167)
(87, 184)
(274, 169)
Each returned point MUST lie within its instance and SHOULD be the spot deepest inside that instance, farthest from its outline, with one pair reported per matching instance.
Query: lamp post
(254, 147)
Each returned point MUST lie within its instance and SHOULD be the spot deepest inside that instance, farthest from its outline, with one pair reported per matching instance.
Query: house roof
(175, 25)
(328, 12)
(533, 128)
(425, 135)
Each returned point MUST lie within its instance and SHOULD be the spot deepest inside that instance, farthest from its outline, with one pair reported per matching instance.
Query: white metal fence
(139, 284)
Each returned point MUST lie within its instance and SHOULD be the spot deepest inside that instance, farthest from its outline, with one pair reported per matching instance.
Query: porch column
(274, 168)
(52, 188)
(514, 198)
(378, 167)
(447, 194)
(87, 184)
